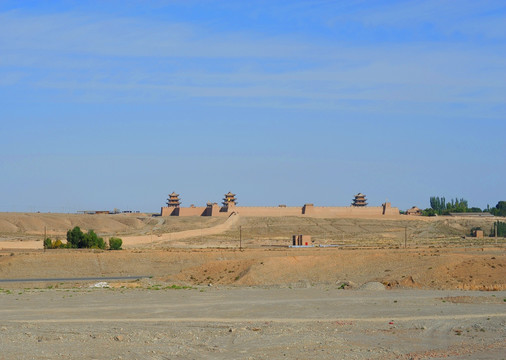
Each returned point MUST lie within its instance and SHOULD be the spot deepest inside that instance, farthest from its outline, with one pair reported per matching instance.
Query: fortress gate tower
(229, 200)
(173, 200)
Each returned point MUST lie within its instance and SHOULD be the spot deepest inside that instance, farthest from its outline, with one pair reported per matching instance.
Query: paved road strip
(76, 279)
(265, 320)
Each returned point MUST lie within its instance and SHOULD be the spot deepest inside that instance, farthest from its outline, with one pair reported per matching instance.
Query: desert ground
(216, 288)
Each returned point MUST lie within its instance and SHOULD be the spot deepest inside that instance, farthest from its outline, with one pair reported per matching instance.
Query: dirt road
(167, 238)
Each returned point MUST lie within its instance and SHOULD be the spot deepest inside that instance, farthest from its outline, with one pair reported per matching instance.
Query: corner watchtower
(359, 200)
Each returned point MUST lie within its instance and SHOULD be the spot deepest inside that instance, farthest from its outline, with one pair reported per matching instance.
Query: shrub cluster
(115, 243)
(76, 239)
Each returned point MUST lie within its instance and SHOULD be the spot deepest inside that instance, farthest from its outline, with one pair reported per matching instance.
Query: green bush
(115, 243)
(77, 239)
(48, 244)
(429, 212)
(92, 241)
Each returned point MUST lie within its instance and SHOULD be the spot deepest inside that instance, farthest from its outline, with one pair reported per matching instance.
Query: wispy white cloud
(77, 34)
(121, 59)
(479, 18)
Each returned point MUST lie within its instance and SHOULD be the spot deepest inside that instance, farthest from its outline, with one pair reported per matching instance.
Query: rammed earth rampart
(309, 210)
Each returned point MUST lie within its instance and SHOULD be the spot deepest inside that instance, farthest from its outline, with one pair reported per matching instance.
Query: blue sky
(108, 104)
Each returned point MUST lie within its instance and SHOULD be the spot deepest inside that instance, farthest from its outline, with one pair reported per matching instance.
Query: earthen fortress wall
(268, 211)
(307, 210)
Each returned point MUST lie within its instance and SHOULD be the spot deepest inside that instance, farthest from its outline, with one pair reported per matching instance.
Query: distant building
(301, 240)
(478, 233)
(414, 211)
(94, 212)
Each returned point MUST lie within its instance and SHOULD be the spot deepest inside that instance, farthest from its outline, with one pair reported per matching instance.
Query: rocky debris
(372, 286)
(101, 284)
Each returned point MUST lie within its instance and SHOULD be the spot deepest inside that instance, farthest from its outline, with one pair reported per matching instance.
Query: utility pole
(240, 237)
(405, 236)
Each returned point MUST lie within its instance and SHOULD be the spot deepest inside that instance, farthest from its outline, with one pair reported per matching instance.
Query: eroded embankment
(473, 269)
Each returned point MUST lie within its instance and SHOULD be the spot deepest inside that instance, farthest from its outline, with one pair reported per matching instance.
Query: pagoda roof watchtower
(359, 200)
(173, 200)
(229, 199)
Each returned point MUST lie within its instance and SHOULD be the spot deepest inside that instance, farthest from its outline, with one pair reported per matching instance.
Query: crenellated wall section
(309, 210)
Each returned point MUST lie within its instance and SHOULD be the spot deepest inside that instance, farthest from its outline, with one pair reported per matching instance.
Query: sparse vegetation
(500, 227)
(179, 287)
(499, 209)
(76, 239)
(115, 243)
(439, 206)
(48, 244)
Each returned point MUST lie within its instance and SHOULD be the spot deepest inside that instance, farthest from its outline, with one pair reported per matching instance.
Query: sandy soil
(432, 268)
(250, 323)
(203, 297)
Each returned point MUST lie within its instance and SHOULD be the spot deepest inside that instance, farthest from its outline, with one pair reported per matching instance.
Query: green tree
(438, 204)
(501, 228)
(75, 238)
(48, 244)
(499, 209)
(92, 240)
(441, 207)
(429, 212)
(115, 243)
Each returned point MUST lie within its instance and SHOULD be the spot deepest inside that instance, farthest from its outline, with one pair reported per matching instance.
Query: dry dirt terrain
(197, 295)
(251, 323)
(26, 230)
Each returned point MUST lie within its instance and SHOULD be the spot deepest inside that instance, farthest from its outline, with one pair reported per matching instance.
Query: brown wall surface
(192, 211)
(167, 211)
(352, 211)
(313, 211)
(268, 211)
